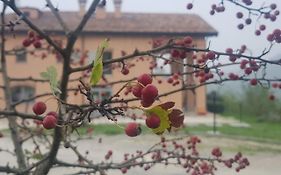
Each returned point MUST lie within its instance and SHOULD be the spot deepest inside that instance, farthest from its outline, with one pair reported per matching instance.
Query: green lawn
(261, 131)
(107, 129)
(257, 131)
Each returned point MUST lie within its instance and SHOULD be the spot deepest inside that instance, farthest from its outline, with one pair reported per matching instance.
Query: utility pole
(215, 117)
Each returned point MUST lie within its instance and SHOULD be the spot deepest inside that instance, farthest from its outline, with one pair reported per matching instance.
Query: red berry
(39, 108)
(253, 82)
(175, 53)
(248, 70)
(262, 27)
(189, 6)
(239, 15)
(136, 90)
(152, 121)
(240, 26)
(146, 104)
(248, 21)
(187, 40)
(124, 170)
(145, 79)
(132, 129)
(258, 32)
(216, 152)
(125, 70)
(211, 55)
(31, 34)
(273, 6)
(49, 122)
(26, 42)
(271, 97)
(53, 113)
(170, 80)
(37, 44)
(149, 93)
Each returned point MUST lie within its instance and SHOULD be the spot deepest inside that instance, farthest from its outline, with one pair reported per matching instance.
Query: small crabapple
(149, 93)
(133, 129)
(145, 79)
(39, 108)
(49, 122)
(136, 90)
(125, 70)
(37, 44)
(253, 82)
(53, 113)
(152, 121)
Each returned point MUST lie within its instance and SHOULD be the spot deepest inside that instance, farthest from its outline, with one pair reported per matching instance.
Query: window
(21, 55)
(101, 93)
(22, 92)
(162, 67)
(107, 56)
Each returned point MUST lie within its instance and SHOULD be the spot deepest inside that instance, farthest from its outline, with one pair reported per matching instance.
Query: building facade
(126, 31)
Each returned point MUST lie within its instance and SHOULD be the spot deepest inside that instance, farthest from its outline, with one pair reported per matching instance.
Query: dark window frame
(107, 55)
(22, 92)
(21, 55)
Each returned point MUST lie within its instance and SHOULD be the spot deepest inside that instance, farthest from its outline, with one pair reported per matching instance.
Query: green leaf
(98, 63)
(44, 75)
(51, 75)
(37, 156)
(163, 115)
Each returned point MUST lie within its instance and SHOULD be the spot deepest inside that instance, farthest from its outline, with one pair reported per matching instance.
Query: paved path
(264, 158)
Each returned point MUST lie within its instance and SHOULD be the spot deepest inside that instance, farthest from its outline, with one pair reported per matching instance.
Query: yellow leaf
(163, 115)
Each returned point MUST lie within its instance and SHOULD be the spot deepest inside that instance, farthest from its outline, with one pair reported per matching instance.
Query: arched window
(22, 92)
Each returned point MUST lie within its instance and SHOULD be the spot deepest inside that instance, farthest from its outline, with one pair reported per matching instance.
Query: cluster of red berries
(233, 76)
(145, 91)
(204, 76)
(217, 152)
(33, 39)
(217, 9)
(50, 120)
(174, 79)
(184, 42)
(275, 36)
(239, 159)
(252, 66)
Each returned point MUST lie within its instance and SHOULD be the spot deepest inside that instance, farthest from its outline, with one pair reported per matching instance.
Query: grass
(107, 129)
(260, 131)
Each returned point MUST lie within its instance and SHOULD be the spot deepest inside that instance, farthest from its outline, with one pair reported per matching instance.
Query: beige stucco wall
(35, 65)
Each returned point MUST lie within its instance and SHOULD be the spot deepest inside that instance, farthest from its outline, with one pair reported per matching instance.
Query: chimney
(100, 11)
(117, 7)
(82, 7)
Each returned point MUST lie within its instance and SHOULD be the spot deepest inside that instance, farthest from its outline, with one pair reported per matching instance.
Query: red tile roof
(129, 23)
